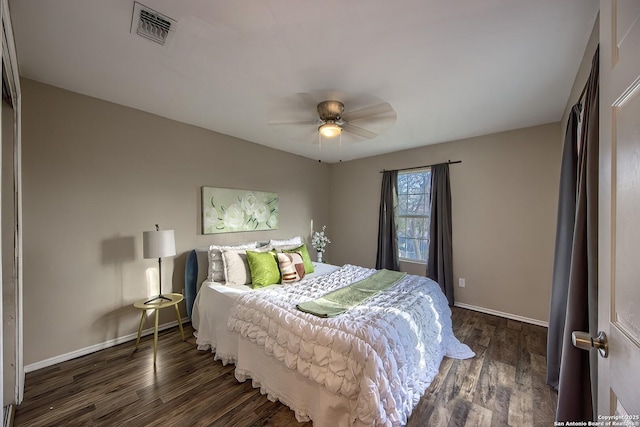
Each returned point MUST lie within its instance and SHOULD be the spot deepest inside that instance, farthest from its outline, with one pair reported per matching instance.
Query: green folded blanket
(341, 300)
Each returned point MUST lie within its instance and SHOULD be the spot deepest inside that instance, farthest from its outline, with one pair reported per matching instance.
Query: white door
(619, 211)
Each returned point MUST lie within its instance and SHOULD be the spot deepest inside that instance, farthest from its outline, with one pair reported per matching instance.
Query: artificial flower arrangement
(319, 241)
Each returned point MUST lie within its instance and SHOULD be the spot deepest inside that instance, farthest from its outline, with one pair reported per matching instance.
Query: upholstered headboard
(195, 272)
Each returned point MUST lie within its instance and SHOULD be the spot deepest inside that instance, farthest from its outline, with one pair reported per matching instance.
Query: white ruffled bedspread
(382, 354)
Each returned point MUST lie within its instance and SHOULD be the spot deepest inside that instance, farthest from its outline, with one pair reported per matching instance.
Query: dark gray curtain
(578, 368)
(564, 242)
(440, 263)
(387, 256)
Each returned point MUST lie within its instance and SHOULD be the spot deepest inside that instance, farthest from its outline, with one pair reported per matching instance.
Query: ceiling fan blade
(374, 122)
(374, 110)
(299, 107)
(301, 101)
(294, 123)
(357, 130)
(308, 99)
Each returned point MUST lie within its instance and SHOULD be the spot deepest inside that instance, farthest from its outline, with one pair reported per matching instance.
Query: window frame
(427, 217)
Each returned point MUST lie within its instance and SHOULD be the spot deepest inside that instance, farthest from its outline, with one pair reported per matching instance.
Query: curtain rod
(448, 162)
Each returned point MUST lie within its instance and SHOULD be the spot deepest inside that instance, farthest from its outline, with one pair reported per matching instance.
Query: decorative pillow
(291, 266)
(264, 268)
(306, 259)
(216, 267)
(294, 241)
(236, 267)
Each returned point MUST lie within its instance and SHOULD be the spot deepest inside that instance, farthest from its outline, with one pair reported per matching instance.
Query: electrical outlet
(461, 282)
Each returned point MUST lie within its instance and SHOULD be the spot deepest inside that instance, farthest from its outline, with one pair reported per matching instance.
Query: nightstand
(158, 305)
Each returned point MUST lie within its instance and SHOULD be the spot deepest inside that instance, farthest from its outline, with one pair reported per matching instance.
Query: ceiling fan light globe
(330, 130)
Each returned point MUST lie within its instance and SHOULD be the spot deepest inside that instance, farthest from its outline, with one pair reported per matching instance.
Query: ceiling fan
(368, 117)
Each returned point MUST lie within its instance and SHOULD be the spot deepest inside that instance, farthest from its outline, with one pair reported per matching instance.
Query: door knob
(584, 341)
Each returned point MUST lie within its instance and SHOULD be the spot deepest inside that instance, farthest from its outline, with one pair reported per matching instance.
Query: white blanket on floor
(383, 354)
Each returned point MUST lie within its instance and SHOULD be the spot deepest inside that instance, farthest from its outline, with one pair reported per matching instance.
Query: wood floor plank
(545, 399)
(520, 408)
(478, 416)
(459, 411)
(472, 375)
(504, 385)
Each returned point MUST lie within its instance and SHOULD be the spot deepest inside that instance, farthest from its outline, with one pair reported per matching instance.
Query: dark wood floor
(503, 385)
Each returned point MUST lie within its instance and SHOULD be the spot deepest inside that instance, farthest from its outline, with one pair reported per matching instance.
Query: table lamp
(158, 244)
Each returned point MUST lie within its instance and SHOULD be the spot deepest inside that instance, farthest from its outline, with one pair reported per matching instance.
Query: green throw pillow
(264, 268)
(306, 259)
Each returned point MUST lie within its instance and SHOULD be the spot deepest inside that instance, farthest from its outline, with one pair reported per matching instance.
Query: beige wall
(504, 198)
(582, 74)
(95, 176)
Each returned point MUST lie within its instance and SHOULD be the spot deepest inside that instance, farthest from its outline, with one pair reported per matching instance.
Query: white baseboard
(503, 314)
(97, 347)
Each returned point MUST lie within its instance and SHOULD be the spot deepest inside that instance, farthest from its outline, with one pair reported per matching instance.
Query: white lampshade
(158, 244)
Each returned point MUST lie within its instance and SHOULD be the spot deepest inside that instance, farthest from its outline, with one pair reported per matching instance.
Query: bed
(369, 366)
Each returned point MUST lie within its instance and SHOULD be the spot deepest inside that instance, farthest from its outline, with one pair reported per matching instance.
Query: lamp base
(159, 297)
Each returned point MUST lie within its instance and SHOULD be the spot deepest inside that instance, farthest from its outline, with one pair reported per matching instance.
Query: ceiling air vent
(150, 24)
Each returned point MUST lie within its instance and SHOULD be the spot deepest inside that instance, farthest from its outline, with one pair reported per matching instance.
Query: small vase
(319, 257)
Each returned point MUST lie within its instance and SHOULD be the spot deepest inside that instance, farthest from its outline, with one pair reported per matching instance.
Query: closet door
(7, 226)
(11, 365)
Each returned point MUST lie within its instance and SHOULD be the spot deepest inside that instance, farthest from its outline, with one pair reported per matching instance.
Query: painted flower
(272, 222)
(234, 216)
(211, 219)
(249, 203)
(261, 212)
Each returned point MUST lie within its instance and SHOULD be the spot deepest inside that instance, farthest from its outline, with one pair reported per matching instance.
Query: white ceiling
(450, 69)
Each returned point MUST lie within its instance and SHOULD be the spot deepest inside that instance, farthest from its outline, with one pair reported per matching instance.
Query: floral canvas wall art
(226, 210)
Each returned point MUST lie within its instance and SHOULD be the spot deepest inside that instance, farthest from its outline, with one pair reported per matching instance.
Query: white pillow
(236, 266)
(216, 267)
(294, 241)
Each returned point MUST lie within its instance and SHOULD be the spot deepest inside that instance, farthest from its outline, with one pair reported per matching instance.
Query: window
(413, 214)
